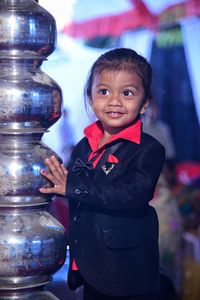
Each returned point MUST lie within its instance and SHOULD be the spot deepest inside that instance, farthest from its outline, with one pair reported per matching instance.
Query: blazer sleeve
(131, 189)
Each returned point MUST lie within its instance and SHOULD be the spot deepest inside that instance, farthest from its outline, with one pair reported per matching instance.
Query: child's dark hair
(121, 59)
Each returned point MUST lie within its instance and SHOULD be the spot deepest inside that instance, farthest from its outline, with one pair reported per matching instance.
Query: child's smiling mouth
(114, 114)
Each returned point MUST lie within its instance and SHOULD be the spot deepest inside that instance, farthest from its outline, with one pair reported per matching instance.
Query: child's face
(117, 98)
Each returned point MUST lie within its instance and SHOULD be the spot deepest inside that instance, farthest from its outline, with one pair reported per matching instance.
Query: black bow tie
(81, 167)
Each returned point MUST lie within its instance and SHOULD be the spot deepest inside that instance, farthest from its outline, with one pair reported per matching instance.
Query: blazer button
(85, 193)
(77, 192)
(76, 218)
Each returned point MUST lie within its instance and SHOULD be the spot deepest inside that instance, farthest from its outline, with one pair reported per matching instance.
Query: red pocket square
(112, 159)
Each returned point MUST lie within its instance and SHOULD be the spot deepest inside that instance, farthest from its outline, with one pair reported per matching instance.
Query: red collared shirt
(94, 132)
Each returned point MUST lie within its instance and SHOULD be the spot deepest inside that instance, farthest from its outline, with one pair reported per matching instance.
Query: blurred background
(167, 33)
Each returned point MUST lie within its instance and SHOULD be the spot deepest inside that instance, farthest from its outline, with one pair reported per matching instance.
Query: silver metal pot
(32, 242)
(26, 30)
(32, 247)
(21, 159)
(29, 98)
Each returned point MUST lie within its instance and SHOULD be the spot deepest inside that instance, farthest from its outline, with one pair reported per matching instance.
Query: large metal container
(29, 98)
(32, 242)
(26, 29)
(21, 159)
(32, 247)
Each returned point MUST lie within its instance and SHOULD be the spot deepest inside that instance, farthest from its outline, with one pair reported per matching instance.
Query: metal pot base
(26, 282)
(40, 295)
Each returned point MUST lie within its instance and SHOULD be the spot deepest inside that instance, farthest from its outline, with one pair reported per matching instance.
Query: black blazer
(113, 231)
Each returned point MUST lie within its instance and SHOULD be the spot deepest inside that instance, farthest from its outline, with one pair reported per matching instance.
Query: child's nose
(115, 100)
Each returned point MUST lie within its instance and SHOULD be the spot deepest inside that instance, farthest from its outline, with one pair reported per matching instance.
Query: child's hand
(57, 174)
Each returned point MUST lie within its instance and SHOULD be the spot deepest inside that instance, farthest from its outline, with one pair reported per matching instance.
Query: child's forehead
(117, 77)
(116, 67)
(114, 71)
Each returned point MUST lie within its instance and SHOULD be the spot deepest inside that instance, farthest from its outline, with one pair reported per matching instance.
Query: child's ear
(91, 104)
(144, 107)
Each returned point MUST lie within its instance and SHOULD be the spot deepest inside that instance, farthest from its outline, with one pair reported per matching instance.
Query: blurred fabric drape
(191, 40)
(174, 93)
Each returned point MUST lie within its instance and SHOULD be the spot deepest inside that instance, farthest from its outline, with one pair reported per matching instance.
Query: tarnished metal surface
(21, 159)
(32, 242)
(23, 30)
(29, 98)
(32, 247)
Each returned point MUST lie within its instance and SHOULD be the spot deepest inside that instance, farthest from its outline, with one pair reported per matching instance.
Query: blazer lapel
(126, 151)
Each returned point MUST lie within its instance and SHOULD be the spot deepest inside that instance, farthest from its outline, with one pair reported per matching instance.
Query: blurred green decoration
(169, 37)
(102, 42)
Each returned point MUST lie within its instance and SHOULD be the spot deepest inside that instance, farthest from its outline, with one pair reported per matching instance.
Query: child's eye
(127, 93)
(103, 91)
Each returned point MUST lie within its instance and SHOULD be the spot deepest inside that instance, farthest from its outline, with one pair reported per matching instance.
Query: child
(113, 232)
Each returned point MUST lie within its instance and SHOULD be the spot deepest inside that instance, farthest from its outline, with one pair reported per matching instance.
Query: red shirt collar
(95, 131)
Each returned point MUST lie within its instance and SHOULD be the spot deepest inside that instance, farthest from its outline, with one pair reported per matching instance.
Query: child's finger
(45, 190)
(54, 167)
(48, 176)
(52, 170)
(57, 165)
(65, 171)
